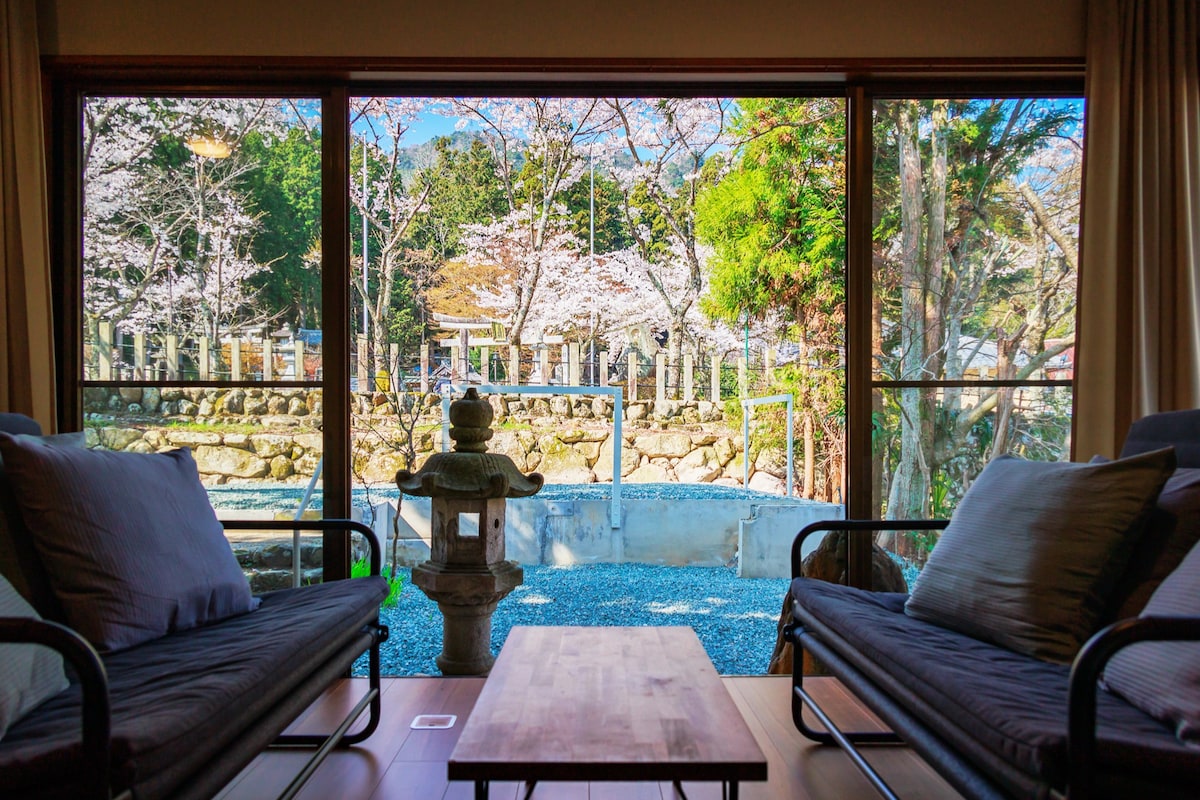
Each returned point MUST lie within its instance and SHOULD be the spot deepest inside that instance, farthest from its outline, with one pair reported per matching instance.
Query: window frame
(67, 80)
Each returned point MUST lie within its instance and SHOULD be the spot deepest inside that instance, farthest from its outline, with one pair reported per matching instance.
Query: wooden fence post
(424, 369)
(544, 363)
(514, 365)
(298, 360)
(268, 359)
(573, 364)
(104, 350)
(235, 359)
(769, 366)
(689, 388)
(364, 370)
(205, 365)
(633, 375)
(172, 357)
(660, 376)
(485, 368)
(139, 356)
(603, 368)
(715, 378)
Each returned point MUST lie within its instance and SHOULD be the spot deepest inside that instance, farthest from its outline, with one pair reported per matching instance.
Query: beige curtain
(1139, 292)
(26, 328)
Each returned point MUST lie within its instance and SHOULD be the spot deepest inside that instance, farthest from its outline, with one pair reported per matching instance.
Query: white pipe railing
(618, 402)
(762, 401)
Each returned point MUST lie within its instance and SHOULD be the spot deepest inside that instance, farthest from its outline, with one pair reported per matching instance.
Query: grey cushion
(130, 542)
(1034, 550)
(29, 673)
(1163, 678)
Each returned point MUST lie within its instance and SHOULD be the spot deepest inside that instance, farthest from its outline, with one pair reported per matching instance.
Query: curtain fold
(1139, 292)
(26, 325)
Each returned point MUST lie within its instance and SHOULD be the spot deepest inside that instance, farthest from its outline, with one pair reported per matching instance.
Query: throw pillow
(29, 673)
(19, 561)
(1034, 549)
(1173, 529)
(130, 542)
(1163, 678)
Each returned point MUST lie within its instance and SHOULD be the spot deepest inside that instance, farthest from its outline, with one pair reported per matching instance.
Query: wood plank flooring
(398, 763)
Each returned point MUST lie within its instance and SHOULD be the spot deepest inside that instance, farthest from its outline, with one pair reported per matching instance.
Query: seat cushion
(983, 697)
(1034, 551)
(29, 673)
(110, 529)
(1163, 678)
(180, 700)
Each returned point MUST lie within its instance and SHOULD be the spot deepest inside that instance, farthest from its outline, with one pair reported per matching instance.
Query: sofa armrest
(1086, 672)
(324, 525)
(97, 717)
(852, 525)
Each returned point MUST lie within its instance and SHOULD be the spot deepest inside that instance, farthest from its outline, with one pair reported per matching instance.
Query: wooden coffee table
(605, 704)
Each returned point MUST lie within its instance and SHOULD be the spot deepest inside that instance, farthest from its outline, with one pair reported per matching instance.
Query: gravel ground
(733, 617)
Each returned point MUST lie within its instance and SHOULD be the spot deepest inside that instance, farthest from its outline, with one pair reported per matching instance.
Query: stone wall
(274, 435)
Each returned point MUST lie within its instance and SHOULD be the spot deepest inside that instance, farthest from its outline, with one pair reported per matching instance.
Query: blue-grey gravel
(734, 618)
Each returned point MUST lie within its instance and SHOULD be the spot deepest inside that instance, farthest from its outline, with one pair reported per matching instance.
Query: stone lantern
(466, 573)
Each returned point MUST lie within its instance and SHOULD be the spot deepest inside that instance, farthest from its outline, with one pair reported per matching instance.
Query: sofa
(154, 674)
(1092, 690)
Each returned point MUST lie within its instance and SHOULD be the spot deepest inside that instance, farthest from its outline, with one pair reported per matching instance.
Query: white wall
(679, 29)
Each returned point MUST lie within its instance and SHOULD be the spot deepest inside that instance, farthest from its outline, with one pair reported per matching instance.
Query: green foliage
(286, 189)
(777, 221)
(362, 568)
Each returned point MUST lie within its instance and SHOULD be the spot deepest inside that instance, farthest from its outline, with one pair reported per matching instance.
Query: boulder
(239, 440)
(648, 473)
(297, 407)
(698, 466)
(151, 399)
(270, 445)
(563, 464)
(601, 407)
(507, 443)
(603, 464)
(118, 438)
(231, 462)
(766, 482)
(309, 441)
(635, 412)
(234, 402)
(193, 439)
(560, 406)
(281, 467)
(724, 450)
(664, 445)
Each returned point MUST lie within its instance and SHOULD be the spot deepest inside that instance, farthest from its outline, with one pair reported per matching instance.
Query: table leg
(733, 790)
(481, 790)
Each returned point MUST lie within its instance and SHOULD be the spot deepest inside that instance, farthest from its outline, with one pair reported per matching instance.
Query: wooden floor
(398, 763)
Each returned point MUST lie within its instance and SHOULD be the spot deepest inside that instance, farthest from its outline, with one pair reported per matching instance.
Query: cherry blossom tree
(167, 231)
(390, 209)
(537, 144)
(668, 149)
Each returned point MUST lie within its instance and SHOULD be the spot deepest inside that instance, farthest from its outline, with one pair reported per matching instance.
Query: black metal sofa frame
(1089, 760)
(90, 759)
(93, 742)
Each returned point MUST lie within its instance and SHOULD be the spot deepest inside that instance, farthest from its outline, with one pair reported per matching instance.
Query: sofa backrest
(1178, 429)
(19, 561)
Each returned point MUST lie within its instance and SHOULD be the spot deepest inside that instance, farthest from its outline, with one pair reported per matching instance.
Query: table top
(605, 703)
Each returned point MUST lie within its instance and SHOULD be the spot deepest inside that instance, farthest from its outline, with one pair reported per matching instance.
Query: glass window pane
(969, 427)
(202, 286)
(975, 252)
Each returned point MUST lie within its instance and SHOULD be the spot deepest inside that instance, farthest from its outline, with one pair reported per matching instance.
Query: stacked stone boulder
(272, 435)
